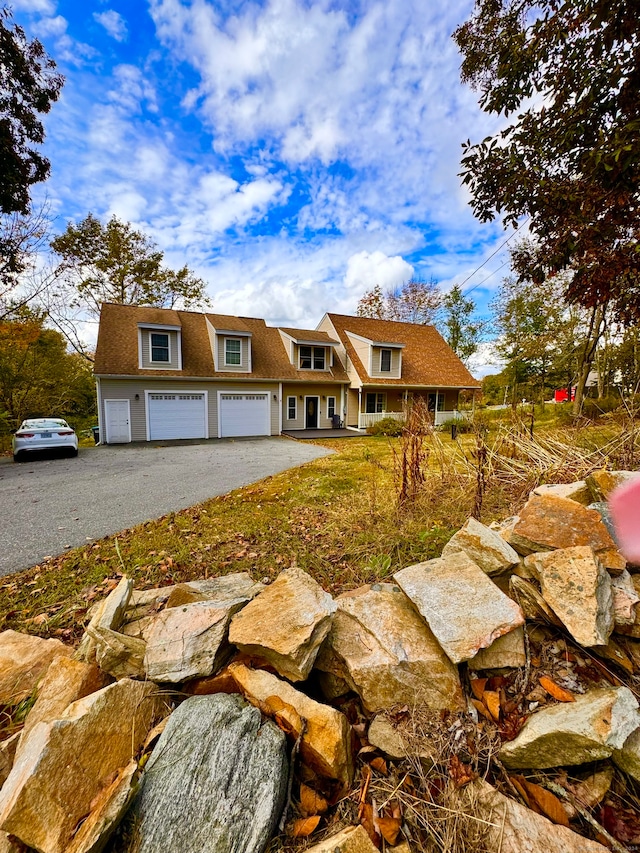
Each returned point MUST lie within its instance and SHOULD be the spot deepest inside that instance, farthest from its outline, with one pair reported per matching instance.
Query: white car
(44, 434)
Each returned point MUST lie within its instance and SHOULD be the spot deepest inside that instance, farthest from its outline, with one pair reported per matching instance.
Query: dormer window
(160, 347)
(312, 358)
(232, 352)
(385, 361)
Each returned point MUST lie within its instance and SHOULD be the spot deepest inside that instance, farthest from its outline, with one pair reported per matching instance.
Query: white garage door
(177, 416)
(244, 414)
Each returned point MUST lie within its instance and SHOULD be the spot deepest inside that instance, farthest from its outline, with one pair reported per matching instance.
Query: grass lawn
(337, 518)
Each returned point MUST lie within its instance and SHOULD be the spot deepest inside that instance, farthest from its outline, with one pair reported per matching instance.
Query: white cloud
(39, 7)
(366, 269)
(113, 23)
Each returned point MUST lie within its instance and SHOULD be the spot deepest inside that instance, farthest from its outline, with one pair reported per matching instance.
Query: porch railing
(367, 419)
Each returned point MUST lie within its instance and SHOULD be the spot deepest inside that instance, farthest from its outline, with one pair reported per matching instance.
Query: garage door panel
(244, 415)
(177, 416)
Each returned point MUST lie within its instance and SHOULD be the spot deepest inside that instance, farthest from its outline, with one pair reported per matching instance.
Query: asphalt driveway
(50, 505)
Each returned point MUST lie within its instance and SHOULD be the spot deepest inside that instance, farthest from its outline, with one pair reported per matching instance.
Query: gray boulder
(216, 780)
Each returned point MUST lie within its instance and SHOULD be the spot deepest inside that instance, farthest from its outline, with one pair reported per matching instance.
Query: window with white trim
(291, 408)
(331, 406)
(232, 351)
(160, 347)
(375, 403)
(385, 360)
(312, 358)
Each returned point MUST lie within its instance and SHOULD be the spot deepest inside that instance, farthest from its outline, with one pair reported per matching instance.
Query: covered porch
(370, 405)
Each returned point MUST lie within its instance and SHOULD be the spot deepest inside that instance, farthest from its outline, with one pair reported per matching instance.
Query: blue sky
(293, 154)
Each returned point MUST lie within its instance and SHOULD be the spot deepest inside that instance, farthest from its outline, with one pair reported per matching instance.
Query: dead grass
(338, 518)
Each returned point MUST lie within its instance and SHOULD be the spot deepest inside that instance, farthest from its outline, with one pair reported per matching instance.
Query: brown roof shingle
(427, 360)
(117, 347)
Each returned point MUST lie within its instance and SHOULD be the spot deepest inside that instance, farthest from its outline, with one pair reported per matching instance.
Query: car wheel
(17, 457)
(74, 452)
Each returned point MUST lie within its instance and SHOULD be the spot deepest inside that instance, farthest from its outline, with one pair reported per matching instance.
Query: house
(167, 374)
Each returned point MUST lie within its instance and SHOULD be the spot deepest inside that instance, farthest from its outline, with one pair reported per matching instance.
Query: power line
(493, 254)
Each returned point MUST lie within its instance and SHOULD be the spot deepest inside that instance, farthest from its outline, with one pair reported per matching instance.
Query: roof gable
(427, 360)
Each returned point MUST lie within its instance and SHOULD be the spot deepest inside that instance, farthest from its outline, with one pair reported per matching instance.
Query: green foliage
(593, 409)
(115, 263)
(38, 377)
(463, 332)
(569, 159)
(28, 87)
(386, 426)
(462, 425)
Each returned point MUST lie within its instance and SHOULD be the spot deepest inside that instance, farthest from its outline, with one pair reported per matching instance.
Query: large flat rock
(326, 742)
(23, 662)
(586, 730)
(286, 624)
(577, 587)
(387, 653)
(465, 610)
(353, 839)
(547, 522)
(517, 829)
(486, 548)
(190, 641)
(216, 780)
(577, 491)
(65, 682)
(64, 765)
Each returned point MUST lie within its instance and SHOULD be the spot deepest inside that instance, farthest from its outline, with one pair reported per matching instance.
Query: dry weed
(440, 809)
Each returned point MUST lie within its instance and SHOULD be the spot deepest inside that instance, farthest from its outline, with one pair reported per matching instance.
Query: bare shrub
(410, 461)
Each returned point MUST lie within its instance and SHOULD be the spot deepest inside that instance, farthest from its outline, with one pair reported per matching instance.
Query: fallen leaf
(389, 828)
(304, 826)
(477, 687)
(380, 765)
(519, 783)
(366, 819)
(548, 803)
(555, 690)
(492, 700)
(480, 708)
(460, 773)
(311, 802)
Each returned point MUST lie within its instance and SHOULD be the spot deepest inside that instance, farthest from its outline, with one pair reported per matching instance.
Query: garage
(243, 414)
(174, 415)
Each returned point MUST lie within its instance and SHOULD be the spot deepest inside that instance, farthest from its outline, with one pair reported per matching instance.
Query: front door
(117, 419)
(311, 412)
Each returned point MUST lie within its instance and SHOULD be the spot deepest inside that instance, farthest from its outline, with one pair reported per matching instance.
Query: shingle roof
(427, 360)
(311, 335)
(117, 348)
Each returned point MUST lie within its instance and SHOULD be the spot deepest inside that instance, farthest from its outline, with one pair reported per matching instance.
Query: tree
(22, 238)
(414, 301)
(29, 85)
(526, 317)
(570, 160)
(38, 376)
(113, 263)
(463, 331)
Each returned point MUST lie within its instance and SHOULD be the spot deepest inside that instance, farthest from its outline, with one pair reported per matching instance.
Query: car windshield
(43, 423)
